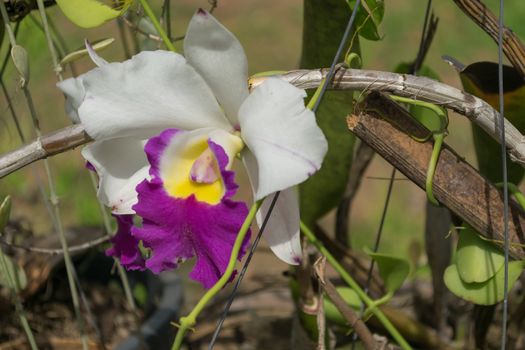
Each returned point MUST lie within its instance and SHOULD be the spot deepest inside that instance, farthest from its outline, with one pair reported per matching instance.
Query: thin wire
(415, 67)
(381, 225)
(241, 274)
(376, 243)
(337, 56)
(505, 179)
(256, 241)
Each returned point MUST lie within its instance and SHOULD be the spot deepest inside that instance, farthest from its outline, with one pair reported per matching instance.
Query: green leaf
(351, 299)
(393, 270)
(140, 293)
(324, 191)
(15, 272)
(477, 260)
(98, 45)
(21, 62)
(91, 13)
(369, 16)
(5, 212)
(485, 293)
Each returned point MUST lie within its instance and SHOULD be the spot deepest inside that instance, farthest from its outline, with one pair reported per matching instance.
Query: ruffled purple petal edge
(177, 229)
(125, 246)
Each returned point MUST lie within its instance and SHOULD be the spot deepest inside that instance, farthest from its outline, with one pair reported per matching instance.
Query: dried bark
(457, 185)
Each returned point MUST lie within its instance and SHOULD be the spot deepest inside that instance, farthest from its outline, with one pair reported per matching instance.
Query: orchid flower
(167, 129)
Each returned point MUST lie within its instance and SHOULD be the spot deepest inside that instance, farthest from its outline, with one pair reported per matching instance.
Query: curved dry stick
(48, 145)
(419, 88)
(72, 249)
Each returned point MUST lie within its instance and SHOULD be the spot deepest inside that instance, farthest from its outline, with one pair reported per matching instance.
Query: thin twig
(349, 315)
(45, 146)
(136, 29)
(50, 44)
(320, 269)
(72, 249)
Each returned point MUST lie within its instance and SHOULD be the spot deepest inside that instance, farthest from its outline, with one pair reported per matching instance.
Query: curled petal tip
(202, 12)
(99, 61)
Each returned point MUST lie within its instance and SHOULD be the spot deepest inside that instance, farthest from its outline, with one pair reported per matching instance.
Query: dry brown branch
(486, 20)
(346, 311)
(420, 88)
(43, 147)
(319, 270)
(457, 185)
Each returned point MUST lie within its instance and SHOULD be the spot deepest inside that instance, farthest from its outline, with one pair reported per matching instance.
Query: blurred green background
(271, 34)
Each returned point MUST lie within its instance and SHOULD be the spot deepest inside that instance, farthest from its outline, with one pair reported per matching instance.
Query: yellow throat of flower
(196, 172)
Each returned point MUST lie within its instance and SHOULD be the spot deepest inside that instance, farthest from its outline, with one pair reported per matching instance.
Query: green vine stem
(355, 286)
(157, 25)
(54, 57)
(438, 136)
(187, 322)
(432, 164)
(105, 216)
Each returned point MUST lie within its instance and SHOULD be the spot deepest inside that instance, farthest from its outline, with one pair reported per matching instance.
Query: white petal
(74, 91)
(282, 229)
(152, 91)
(98, 60)
(121, 165)
(219, 57)
(282, 134)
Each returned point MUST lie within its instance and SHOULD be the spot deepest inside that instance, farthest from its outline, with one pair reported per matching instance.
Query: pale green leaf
(21, 62)
(91, 13)
(140, 293)
(5, 212)
(97, 46)
(485, 293)
(477, 260)
(14, 271)
(369, 17)
(393, 270)
(145, 25)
